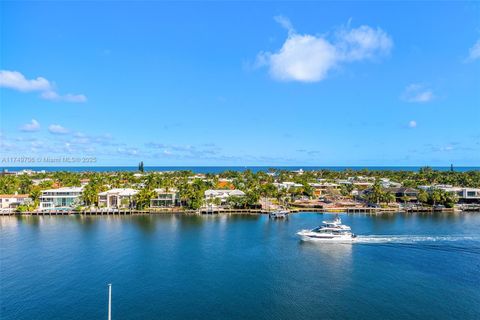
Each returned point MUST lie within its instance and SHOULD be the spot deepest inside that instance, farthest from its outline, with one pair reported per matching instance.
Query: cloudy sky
(219, 83)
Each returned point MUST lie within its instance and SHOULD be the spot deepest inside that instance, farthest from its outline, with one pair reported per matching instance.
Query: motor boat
(279, 214)
(329, 231)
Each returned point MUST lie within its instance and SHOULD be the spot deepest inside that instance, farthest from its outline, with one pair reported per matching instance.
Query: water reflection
(333, 260)
(85, 222)
(190, 222)
(146, 223)
(9, 222)
(34, 221)
(333, 253)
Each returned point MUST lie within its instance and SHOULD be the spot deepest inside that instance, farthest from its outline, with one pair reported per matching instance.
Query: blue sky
(230, 83)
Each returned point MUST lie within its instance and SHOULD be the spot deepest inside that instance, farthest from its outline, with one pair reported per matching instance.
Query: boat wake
(465, 244)
(413, 239)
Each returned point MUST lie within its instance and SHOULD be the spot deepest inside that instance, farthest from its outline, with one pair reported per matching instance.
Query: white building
(37, 182)
(29, 172)
(223, 194)
(11, 201)
(299, 171)
(387, 183)
(287, 185)
(117, 198)
(463, 194)
(165, 198)
(60, 199)
(324, 188)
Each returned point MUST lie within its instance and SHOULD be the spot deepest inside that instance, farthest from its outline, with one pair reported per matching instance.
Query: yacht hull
(311, 236)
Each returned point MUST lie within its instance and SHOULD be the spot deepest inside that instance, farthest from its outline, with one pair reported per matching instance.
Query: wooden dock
(208, 211)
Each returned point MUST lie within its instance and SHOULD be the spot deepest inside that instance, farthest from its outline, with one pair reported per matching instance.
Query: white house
(117, 198)
(299, 171)
(287, 185)
(11, 201)
(165, 198)
(387, 183)
(464, 194)
(60, 199)
(223, 194)
(37, 182)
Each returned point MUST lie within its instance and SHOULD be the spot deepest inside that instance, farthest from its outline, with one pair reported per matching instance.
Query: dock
(216, 211)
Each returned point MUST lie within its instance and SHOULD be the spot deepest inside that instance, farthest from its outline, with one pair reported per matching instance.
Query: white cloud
(17, 81)
(57, 129)
(285, 22)
(33, 125)
(309, 58)
(363, 43)
(128, 151)
(418, 93)
(103, 140)
(302, 58)
(474, 52)
(54, 96)
(412, 124)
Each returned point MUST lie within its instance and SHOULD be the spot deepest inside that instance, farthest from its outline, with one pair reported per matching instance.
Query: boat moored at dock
(279, 214)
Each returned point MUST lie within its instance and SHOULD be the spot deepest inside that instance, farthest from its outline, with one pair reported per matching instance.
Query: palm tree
(143, 197)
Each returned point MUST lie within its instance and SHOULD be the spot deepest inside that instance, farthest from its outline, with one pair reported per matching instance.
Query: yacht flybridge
(333, 231)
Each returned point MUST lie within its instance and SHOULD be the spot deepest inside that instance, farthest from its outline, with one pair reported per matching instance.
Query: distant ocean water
(218, 169)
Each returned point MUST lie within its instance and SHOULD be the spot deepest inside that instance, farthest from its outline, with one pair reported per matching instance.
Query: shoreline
(125, 212)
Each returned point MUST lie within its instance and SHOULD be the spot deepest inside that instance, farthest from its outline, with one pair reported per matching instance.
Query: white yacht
(279, 214)
(331, 231)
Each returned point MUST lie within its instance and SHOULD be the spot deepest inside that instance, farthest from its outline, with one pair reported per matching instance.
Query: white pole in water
(109, 301)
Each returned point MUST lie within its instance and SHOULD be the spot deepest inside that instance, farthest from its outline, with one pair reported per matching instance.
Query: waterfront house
(165, 198)
(65, 198)
(12, 201)
(223, 194)
(117, 198)
(323, 188)
(404, 194)
(465, 195)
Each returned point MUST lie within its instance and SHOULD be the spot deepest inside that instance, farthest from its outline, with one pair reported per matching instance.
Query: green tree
(90, 193)
(143, 197)
(24, 185)
(422, 196)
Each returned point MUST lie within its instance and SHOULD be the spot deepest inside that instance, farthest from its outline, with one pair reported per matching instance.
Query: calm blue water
(239, 267)
(222, 169)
